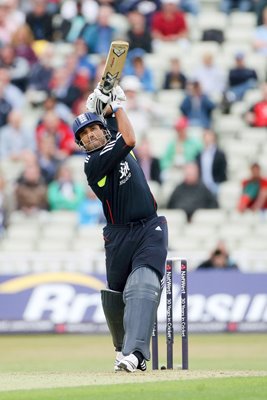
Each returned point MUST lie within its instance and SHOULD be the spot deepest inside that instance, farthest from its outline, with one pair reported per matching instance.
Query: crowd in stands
(52, 55)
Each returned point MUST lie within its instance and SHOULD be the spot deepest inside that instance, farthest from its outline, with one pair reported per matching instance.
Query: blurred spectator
(139, 35)
(210, 76)
(5, 108)
(40, 21)
(189, 6)
(218, 260)
(18, 67)
(3, 206)
(191, 194)
(83, 60)
(227, 6)
(169, 24)
(136, 67)
(41, 72)
(63, 192)
(260, 35)
(15, 16)
(149, 164)
(16, 138)
(31, 190)
(257, 115)
(174, 78)
(7, 26)
(259, 6)
(240, 80)
(52, 125)
(62, 111)
(212, 162)
(48, 158)
(62, 86)
(99, 35)
(73, 18)
(83, 83)
(90, 210)
(141, 111)
(22, 41)
(254, 191)
(11, 93)
(183, 149)
(197, 106)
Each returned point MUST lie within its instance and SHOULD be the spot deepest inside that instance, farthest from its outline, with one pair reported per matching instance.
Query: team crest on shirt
(125, 172)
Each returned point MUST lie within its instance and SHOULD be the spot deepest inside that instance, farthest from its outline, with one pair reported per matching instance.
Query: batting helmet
(84, 120)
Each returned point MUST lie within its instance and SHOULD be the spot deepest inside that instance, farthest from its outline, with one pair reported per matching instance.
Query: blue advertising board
(70, 302)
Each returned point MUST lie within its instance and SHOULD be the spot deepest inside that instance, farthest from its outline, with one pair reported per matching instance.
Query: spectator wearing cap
(212, 162)
(254, 191)
(196, 106)
(138, 34)
(174, 78)
(136, 67)
(182, 149)
(169, 23)
(240, 80)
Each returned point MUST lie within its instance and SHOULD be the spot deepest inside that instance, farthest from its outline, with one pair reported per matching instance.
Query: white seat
(61, 218)
(230, 48)
(243, 20)
(14, 245)
(254, 243)
(228, 124)
(48, 246)
(199, 232)
(90, 232)
(228, 195)
(83, 244)
(252, 96)
(176, 220)
(22, 232)
(208, 218)
(255, 135)
(198, 49)
(235, 34)
(57, 232)
(212, 19)
(235, 232)
(250, 218)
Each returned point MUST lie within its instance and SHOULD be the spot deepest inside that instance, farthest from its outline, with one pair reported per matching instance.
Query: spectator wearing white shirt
(211, 77)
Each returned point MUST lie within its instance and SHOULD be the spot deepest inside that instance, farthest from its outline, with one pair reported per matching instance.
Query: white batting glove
(97, 102)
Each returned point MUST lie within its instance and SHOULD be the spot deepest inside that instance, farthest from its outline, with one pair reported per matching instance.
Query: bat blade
(114, 65)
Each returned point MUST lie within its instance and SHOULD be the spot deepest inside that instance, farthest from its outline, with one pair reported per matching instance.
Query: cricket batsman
(135, 237)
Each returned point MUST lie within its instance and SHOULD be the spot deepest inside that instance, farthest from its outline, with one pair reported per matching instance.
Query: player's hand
(98, 102)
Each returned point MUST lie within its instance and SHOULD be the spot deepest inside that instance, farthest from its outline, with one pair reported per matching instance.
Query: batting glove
(97, 101)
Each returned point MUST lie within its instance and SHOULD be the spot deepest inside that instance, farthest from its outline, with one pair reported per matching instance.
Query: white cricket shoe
(119, 357)
(130, 363)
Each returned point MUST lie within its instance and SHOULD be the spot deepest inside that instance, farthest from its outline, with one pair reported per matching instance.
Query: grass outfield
(229, 366)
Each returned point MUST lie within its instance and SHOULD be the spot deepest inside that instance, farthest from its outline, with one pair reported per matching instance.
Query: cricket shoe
(119, 357)
(131, 363)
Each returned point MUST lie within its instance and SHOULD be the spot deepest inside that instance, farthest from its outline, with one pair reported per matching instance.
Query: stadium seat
(228, 195)
(210, 218)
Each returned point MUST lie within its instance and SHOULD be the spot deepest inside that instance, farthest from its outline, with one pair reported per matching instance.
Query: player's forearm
(125, 127)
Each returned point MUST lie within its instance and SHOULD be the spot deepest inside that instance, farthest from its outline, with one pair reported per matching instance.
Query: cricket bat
(114, 65)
